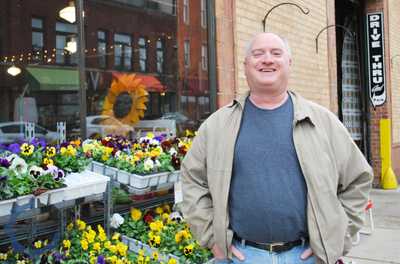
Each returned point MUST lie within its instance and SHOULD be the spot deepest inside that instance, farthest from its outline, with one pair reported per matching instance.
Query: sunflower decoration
(126, 100)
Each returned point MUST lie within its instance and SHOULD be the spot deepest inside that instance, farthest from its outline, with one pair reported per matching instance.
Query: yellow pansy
(136, 214)
(159, 210)
(50, 151)
(116, 236)
(155, 255)
(172, 261)
(81, 225)
(27, 149)
(188, 250)
(122, 248)
(66, 244)
(97, 246)
(38, 244)
(84, 244)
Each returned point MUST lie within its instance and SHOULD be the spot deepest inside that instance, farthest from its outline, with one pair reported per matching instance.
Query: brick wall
(394, 38)
(310, 74)
(383, 111)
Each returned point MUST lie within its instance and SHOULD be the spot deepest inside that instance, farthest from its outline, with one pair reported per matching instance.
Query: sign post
(376, 59)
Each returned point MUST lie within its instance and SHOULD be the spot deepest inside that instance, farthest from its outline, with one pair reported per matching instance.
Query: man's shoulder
(314, 109)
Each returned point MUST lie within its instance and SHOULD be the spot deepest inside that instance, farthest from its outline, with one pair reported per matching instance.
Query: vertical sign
(376, 59)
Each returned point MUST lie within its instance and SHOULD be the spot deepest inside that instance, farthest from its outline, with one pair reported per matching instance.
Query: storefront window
(143, 60)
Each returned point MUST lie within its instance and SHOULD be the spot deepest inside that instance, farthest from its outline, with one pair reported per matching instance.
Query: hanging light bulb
(14, 70)
(71, 46)
(68, 13)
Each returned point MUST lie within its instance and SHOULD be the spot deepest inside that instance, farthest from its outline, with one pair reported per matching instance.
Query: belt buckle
(270, 247)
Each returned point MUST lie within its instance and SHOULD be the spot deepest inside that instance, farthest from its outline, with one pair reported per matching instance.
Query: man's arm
(355, 179)
(197, 204)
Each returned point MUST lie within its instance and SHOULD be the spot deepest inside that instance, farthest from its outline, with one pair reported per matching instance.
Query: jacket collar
(301, 107)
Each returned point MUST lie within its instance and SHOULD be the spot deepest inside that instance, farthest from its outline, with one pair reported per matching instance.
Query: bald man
(273, 177)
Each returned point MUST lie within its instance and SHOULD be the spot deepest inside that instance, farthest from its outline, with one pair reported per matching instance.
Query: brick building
(337, 75)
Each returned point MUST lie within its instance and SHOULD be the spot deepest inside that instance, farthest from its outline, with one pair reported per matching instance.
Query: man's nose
(267, 58)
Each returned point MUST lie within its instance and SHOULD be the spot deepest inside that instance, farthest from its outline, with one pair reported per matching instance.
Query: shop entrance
(350, 74)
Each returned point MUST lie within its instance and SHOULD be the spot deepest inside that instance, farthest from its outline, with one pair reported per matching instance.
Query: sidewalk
(383, 246)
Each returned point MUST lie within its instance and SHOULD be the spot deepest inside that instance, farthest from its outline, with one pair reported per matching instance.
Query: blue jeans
(259, 256)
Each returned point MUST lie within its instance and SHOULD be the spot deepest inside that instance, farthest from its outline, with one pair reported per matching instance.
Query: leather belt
(276, 247)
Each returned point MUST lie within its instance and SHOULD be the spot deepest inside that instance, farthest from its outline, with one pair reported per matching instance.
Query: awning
(46, 79)
(151, 82)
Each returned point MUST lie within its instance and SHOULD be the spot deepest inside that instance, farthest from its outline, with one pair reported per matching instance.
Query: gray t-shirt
(268, 194)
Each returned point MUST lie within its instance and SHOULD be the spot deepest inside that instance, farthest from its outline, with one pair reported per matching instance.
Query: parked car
(182, 121)
(14, 131)
(102, 125)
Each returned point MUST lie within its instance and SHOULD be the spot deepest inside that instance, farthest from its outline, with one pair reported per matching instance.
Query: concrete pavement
(383, 245)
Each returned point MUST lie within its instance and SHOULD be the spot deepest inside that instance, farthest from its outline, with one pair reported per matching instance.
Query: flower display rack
(136, 245)
(138, 183)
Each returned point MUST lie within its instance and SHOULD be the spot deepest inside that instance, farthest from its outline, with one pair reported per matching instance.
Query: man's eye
(257, 54)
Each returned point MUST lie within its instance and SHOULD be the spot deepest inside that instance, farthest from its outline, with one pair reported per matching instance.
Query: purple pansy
(14, 148)
(101, 260)
(4, 163)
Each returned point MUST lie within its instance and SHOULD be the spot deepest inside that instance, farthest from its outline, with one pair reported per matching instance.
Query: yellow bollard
(388, 178)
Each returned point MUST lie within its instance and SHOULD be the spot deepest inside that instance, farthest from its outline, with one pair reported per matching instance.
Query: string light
(36, 54)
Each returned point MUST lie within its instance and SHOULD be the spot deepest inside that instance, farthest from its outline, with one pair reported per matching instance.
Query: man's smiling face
(267, 64)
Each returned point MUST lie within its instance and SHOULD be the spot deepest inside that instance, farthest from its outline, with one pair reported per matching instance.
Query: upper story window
(122, 52)
(160, 55)
(203, 13)
(186, 11)
(204, 60)
(66, 43)
(101, 48)
(37, 39)
(186, 52)
(142, 54)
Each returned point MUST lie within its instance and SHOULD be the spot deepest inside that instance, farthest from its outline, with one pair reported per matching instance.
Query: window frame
(68, 57)
(203, 13)
(140, 47)
(204, 57)
(186, 12)
(186, 53)
(162, 49)
(124, 45)
(37, 58)
(102, 57)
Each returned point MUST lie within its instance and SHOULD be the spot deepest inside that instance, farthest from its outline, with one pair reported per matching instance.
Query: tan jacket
(337, 175)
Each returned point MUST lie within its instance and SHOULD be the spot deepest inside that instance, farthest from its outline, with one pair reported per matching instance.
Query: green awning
(45, 79)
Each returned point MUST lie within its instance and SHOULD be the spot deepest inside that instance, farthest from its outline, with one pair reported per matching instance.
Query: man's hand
(306, 254)
(218, 254)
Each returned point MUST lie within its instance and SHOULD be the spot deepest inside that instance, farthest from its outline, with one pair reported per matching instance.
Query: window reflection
(162, 42)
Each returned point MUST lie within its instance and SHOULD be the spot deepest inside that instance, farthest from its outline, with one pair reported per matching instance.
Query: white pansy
(172, 151)
(116, 221)
(18, 164)
(157, 164)
(154, 142)
(148, 165)
(35, 172)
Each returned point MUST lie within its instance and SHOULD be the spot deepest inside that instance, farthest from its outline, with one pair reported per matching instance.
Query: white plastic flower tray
(135, 245)
(84, 184)
(79, 185)
(146, 181)
(98, 167)
(7, 205)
